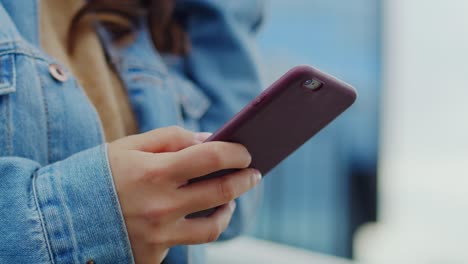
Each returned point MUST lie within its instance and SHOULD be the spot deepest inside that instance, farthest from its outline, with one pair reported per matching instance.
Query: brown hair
(122, 17)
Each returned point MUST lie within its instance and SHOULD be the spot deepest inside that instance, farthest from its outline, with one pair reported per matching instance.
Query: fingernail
(202, 136)
(232, 204)
(257, 176)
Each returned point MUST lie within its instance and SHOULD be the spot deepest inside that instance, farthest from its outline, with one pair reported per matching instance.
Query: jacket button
(90, 261)
(57, 72)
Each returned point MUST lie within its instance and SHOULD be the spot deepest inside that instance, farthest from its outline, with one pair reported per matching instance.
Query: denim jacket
(58, 203)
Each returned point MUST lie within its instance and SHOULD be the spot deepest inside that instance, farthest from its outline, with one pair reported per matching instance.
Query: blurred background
(388, 181)
(317, 198)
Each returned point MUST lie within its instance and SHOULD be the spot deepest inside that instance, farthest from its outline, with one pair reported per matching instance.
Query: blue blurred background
(319, 196)
(409, 61)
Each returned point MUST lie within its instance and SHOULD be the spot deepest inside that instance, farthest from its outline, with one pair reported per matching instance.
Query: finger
(217, 191)
(205, 229)
(203, 159)
(203, 136)
(166, 139)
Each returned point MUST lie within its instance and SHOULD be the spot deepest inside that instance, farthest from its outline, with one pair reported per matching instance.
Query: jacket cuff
(80, 210)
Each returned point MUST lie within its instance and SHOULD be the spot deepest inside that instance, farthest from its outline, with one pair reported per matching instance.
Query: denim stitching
(36, 18)
(8, 110)
(10, 41)
(68, 218)
(50, 157)
(22, 50)
(23, 53)
(8, 123)
(9, 85)
(41, 217)
(115, 203)
(46, 111)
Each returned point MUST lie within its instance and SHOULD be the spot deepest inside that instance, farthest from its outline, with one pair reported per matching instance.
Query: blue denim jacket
(58, 203)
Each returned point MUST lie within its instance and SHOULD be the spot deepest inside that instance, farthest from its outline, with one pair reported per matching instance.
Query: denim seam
(38, 23)
(10, 41)
(49, 154)
(46, 111)
(10, 87)
(41, 217)
(147, 78)
(68, 218)
(8, 123)
(115, 203)
(8, 110)
(24, 52)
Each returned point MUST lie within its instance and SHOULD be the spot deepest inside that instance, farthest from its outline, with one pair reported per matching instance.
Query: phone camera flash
(313, 84)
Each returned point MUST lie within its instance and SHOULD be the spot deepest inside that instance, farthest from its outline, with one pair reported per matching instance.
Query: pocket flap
(193, 101)
(7, 74)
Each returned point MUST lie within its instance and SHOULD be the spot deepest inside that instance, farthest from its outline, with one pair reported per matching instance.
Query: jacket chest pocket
(159, 96)
(161, 100)
(72, 123)
(22, 127)
(192, 101)
(7, 74)
(42, 117)
(153, 102)
(7, 86)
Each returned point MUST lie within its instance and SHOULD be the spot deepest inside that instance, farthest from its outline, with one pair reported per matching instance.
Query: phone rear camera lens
(312, 84)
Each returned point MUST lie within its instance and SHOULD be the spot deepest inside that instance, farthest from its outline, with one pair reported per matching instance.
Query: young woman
(76, 74)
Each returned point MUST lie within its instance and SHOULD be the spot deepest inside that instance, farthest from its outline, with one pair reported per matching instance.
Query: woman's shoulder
(17, 32)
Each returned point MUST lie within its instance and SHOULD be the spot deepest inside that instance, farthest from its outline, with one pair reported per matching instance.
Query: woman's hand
(151, 171)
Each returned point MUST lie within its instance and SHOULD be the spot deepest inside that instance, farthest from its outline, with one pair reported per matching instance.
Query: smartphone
(283, 117)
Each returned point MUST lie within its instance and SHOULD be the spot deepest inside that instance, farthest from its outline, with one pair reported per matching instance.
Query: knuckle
(153, 216)
(157, 215)
(226, 189)
(176, 130)
(155, 172)
(150, 173)
(215, 155)
(147, 171)
(163, 168)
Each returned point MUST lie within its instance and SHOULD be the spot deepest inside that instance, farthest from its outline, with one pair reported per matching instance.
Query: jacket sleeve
(223, 64)
(65, 212)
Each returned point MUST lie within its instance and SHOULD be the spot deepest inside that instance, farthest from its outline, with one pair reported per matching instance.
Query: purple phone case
(282, 118)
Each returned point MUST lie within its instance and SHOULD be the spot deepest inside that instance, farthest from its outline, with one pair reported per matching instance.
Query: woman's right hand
(151, 172)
